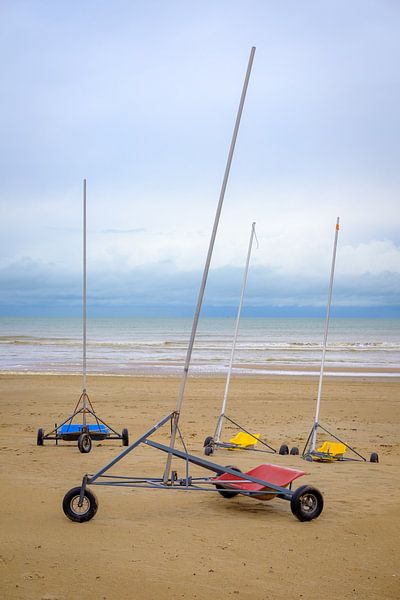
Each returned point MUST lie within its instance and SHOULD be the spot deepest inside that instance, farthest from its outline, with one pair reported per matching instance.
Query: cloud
(142, 103)
(123, 231)
(27, 283)
(376, 257)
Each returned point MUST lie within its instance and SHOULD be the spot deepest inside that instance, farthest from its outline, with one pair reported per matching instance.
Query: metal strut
(235, 335)
(84, 405)
(328, 310)
(310, 446)
(181, 392)
(84, 309)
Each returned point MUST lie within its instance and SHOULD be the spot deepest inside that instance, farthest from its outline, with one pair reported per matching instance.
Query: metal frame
(216, 442)
(308, 453)
(179, 401)
(309, 450)
(187, 483)
(84, 406)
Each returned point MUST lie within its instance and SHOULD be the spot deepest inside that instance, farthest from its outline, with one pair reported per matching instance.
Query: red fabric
(281, 476)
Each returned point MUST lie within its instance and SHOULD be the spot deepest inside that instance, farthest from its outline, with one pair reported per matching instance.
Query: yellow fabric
(244, 440)
(332, 448)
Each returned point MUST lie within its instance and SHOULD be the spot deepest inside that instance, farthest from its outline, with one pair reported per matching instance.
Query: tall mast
(328, 310)
(181, 392)
(228, 378)
(84, 305)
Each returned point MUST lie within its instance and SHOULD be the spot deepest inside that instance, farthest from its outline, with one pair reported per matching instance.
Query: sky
(140, 98)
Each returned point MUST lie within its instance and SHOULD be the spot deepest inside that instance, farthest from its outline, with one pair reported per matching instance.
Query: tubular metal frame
(230, 446)
(181, 393)
(86, 407)
(310, 452)
(216, 440)
(187, 483)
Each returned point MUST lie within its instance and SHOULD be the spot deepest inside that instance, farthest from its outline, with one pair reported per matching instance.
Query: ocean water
(158, 345)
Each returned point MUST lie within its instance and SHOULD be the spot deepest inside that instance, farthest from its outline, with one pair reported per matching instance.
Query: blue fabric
(75, 428)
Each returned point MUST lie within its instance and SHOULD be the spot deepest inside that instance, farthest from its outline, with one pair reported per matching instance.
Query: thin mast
(84, 303)
(228, 378)
(181, 392)
(328, 310)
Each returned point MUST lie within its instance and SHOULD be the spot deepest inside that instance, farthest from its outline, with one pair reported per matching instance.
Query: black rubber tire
(283, 450)
(374, 457)
(208, 441)
(71, 509)
(208, 450)
(84, 443)
(307, 503)
(40, 436)
(125, 437)
(224, 492)
(294, 451)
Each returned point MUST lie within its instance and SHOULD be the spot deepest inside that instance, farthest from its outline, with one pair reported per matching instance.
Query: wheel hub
(309, 502)
(78, 508)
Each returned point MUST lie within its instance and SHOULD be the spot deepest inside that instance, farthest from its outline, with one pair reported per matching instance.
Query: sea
(158, 345)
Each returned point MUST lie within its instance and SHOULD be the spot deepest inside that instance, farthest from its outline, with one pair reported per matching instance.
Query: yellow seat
(244, 440)
(333, 449)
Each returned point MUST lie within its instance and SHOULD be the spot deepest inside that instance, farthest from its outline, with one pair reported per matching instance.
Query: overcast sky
(141, 97)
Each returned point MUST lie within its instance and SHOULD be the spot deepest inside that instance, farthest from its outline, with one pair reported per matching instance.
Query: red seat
(281, 476)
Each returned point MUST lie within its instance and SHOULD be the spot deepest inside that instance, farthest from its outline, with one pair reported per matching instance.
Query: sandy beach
(146, 544)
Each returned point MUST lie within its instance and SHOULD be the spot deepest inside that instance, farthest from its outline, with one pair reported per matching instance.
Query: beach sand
(146, 544)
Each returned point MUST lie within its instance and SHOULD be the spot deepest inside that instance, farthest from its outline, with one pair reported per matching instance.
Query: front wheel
(77, 513)
(125, 437)
(306, 503)
(84, 443)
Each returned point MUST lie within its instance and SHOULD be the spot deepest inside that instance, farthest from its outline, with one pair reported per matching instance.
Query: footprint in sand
(30, 576)
(4, 561)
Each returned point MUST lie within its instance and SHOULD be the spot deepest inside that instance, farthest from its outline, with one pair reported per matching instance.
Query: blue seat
(71, 431)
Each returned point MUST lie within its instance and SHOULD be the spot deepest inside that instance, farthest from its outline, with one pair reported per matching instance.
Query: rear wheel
(294, 451)
(374, 457)
(209, 440)
(208, 450)
(284, 449)
(125, 437)
(307, 503)
(84, 443)
(77, 513)
(222, 490)
(40, 437)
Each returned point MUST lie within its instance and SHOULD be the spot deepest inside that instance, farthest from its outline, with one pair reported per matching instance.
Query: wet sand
(146, 544)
